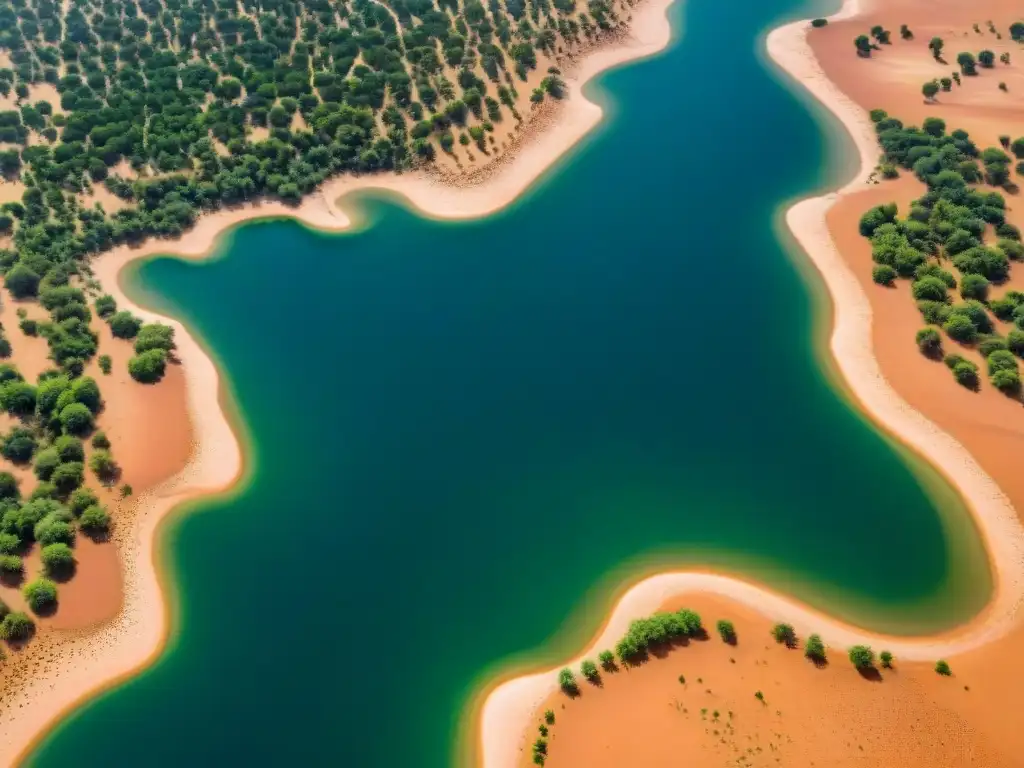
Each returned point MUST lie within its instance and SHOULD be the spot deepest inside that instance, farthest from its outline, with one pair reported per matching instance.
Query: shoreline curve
(509, 705)
(94, 662)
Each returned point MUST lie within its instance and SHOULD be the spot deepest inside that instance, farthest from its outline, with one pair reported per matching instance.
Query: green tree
(862, 657)
(784, 634)
(41, 595)
(987, 59)
(935, 46)
(22, 282)
(567, 681)
(95, 521)
(942, 667)
(930, 90)
(726, 631)
(960, 328)
(883, 274)
(863, 45)
(929, 342)
(17, 628)
(18, 445)
(67, 477)
(886, 658)
(974, 287)
(76, 419)
(607, 659)
(154, 336)
(149, 366)
(58, 560)
(589, 670)
(124, 325)
(47, 460)
(815, 648)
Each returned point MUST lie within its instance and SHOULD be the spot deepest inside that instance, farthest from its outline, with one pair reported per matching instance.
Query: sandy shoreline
(91, 662)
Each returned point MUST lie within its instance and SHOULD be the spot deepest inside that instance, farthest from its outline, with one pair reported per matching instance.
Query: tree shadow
(48, 610)
(821, 662)
(63, 573)
(97, 537)
(12, 578)
(871, 674)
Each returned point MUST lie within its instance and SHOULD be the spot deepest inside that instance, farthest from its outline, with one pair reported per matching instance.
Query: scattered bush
(148, 367)
(41, 595)
(815, 648)
(17, 627)
(942, 667)
(784, 634)
(589, 670)
(58, 560)
(726, 631)
(862, 657)
(886, 658)
(929, 342)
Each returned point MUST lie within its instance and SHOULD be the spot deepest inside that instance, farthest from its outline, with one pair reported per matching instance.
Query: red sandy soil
(151, 440)
(829, 716)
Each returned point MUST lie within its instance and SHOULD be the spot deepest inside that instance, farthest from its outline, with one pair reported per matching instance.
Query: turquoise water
(464, 434)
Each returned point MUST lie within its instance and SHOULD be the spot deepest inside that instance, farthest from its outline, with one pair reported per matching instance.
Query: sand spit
(83, 664)
(510, 708)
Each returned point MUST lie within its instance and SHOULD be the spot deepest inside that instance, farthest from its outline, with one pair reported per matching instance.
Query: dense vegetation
(954, 243)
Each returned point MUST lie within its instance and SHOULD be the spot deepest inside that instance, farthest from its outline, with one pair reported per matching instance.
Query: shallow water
(464, 434)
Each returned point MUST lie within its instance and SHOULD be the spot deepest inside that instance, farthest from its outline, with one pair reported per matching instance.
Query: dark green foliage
(47, 460)
(1015, 341)
(124, 325)
(8, 486)
(784, 634)
(886, 658)
(1006, 381)
(815, 648)
(607, 659)
(80, 500)
(660, 628)
(22, 282)
(883, 274)
(67, 477)
(726, 631)
(589, 670)
(877, 216)
(148, 367)
(41, 595)
(18, 445)
(76, 419)
(95, 521)
(103, 465)
(974, 286)
(929, 342)
(105, 306)
(862, 657)
(990, 343)
(942, 667)
(58, 560)
(105, 363)
(929, 289)
(817, 23)
(567, 681)
(17, 628)
(964, 371)
(960, 328)
(154, 336)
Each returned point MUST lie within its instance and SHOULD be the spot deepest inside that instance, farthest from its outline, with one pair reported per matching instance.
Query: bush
(1001, 360)
(9, 544)
(819, 22)
(124, 325)
(589, 670)
(1007, 382)
(95, 521)
(9, 486)
(784, 633)
(1015, 341)
(991, 343)
(18, 445)
(148, 367)
(942, 667)
(966, 374)
(106, 364)
(53, 531)
(87, 392)
(76, 419)
(974, 287)
(11, 566)
(567, 681)
(17, 628)
(549, 717)
(815, 648)
(960, 328)
(58, 559)
(607, 659)
(68, 476)
(862, 657)
(100, 440)
(22, 282)
(929, 342)
(726, 631)
(47, 460)
(81, 500)
(883, 274)
(104, 466)
(69, 448)
(929, 289)
(41, 595)
(886, 658)
(154, 336)
(106, 305)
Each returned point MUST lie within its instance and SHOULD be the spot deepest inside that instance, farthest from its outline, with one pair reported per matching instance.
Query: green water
(464, 434)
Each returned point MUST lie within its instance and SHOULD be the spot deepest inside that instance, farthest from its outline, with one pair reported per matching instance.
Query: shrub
(47, 460)
(17, 627)
(154, 336)
(886, 658)
(124, 325)
(726, 631)
(95, 521)
(22, 282)
(883, 274)
(815, 648)
(1015, 341)
(76, 419)
(991, 343)
(68, 476)
(9, 486)
(9, 544)
(966, 374)
(11, 565)
(567, 681)
(784, 633)
(607, 659)
(58, 559)
(69, 448)
(942, 667)
(104, 466)
(87, 392)
(549, 717)
(819, 22)
(929, 289)
(106, 305)
(1007, 382)
(1001, 360)
(148, 367)
(41, 595)
(862, 657)
(106, 364)
(81, 500)
(52, 531)
(18, 445)
(929, 342)
(100, 440)
(974, 287)
(589, 670)
(960, 328)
